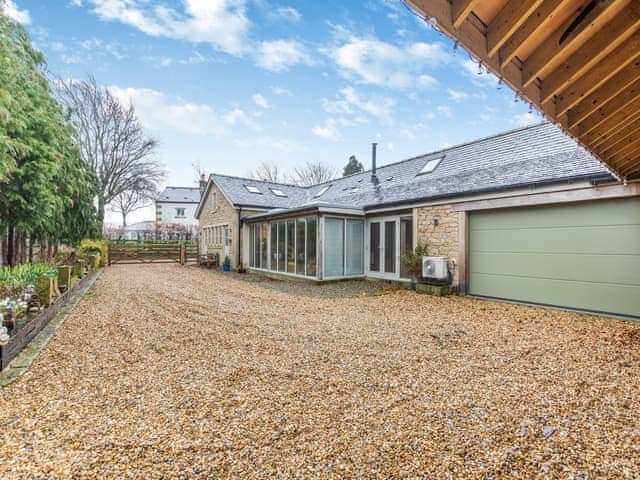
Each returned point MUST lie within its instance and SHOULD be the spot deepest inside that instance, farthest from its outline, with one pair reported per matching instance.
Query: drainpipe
(239, 254)
(374, 176)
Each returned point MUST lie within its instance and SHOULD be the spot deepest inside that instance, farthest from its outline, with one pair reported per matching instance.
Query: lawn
(178, 372)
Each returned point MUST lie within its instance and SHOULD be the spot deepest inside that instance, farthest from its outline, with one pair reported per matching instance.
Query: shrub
(412, 261)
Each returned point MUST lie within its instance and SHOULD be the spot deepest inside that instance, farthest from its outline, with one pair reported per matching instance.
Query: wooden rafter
(533, 23)
(626, 78)
(616, 106)
(508, 20)
(626, 54)
(556, 46)
(577, 61)
(619, 140)
(460, 10)
(592, 51)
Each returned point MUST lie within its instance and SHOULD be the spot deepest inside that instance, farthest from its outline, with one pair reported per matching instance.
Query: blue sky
(230, 83)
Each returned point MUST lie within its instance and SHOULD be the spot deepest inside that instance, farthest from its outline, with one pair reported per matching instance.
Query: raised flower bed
(29, 299)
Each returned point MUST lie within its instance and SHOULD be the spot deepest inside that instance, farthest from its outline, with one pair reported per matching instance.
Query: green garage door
(584, 255)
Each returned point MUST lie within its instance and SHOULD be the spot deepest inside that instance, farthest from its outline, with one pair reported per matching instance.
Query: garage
(583, 255)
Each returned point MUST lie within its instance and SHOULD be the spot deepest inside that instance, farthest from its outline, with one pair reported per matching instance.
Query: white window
(430, 166)
(227, 237)
(252, 189)
(179, 212)
(278, 193)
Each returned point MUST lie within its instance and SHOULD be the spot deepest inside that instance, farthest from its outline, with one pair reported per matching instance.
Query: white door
(383, 249)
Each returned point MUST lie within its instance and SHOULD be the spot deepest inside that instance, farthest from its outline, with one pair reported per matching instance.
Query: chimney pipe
(373, 161)
(203, 184)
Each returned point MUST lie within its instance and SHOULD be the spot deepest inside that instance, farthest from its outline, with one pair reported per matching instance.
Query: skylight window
(322, 191)
(430, 166)
(252, 189)
(278, 193)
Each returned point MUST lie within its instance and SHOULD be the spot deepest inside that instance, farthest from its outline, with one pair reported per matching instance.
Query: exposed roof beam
(536, 21)
(618, 140)
(627, 78)
(460, 10)
(592, 51)
(628, 164)
(619, 59)
(551, 48)
(619, 120)
(507, 21)
(617, 105)
(631, 147)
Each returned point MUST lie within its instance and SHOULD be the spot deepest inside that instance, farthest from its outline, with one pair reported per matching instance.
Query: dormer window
(430, 166)
(252, 189)
(278, 193)
(322, 191)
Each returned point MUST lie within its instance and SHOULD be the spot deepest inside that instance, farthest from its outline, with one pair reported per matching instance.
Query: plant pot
(437, 290)
(226, 268)
(78, 268)
(45, 289)
(64, 278)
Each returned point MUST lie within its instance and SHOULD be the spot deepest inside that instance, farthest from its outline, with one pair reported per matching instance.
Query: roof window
(430, 166)
(322, 191)
(252, 189)
(278, 193)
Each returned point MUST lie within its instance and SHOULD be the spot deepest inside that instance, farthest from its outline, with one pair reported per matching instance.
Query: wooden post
(45, 290)
(183, 254)
(78, 268)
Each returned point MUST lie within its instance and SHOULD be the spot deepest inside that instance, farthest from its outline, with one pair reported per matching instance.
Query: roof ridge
(189, 188)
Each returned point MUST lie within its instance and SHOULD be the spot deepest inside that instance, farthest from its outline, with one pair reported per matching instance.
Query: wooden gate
(152, 252)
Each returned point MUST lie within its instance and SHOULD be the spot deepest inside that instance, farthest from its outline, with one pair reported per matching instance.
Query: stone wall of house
(218, 211)
(441, 239)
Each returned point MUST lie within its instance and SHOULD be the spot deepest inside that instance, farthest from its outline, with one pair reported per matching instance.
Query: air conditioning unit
(435, 268)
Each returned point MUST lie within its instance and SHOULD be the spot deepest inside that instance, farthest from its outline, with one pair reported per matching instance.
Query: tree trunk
(100, 213)
(30, 248)
(10, 247)
(124, 219)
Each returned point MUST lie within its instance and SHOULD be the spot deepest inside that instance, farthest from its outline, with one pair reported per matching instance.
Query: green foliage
(227, 260)
(412, 260)
(13, 281)
(91, 247)
(353, 166)
(46, 190)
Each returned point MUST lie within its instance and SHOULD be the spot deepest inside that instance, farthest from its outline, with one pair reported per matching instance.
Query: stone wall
(441, 239)
(218, 211)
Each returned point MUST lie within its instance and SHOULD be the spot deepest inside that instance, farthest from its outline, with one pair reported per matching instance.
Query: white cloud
(281, 55)
(75, 3)
(157, 110)
(524, 119)
(12, 11)
(350, 101)
(457, 95)
(288, 13)
(260, 100)
(282, 91)
(221, 23)
(445, 111)
(375, 62)
(329, 130)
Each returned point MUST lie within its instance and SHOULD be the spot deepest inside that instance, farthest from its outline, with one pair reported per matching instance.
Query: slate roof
(532, 155)
(179, 195)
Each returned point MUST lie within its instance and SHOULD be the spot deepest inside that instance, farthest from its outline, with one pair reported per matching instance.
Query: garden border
(12, 351)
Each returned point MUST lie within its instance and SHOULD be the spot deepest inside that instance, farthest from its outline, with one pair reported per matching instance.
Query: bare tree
(140, 196)
(312, 173)
(111, 139)
(269, 172)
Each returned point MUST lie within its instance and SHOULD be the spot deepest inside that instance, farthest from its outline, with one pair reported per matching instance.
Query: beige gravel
(174, 372)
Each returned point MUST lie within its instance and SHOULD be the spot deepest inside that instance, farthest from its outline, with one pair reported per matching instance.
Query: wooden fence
(153, 252)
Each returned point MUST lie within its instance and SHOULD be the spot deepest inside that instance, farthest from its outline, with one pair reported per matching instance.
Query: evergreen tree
(352, 166)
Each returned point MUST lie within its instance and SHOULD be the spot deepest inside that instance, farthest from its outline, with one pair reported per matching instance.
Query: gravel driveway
(177, 372)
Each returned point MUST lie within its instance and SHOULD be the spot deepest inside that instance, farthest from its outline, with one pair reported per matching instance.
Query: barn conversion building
(526, 215)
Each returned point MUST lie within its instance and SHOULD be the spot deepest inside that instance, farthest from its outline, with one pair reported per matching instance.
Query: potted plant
(412, 262)
(226, 265)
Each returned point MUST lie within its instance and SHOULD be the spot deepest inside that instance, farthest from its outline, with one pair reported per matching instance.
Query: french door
(387, 239)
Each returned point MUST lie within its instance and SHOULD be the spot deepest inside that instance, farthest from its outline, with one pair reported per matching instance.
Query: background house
(526, 215)
(177, 205)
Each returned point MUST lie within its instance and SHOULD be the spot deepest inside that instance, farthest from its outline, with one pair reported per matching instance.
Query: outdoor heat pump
(435, 268)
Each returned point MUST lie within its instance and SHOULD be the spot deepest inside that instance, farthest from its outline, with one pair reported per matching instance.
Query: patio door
(387, 240)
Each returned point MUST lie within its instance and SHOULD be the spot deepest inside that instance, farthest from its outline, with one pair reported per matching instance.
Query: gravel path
(173, 372)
